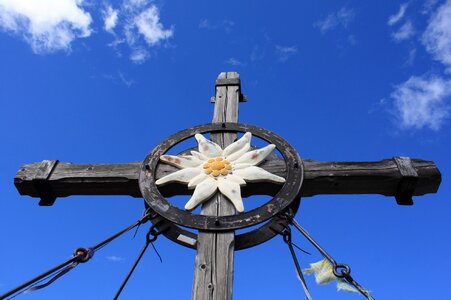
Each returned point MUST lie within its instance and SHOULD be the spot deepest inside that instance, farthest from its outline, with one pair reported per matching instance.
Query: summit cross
(401, 177)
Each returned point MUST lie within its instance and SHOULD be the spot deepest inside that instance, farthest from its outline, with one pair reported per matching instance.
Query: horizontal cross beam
(400, 177)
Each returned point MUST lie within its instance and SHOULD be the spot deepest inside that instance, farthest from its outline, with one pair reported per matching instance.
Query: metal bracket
(408, 182)
(41, 183)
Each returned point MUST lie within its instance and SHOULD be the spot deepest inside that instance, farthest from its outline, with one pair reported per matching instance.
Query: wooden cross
(401, 177)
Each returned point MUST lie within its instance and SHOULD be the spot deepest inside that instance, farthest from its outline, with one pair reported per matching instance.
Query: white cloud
(393, 19)
(47, 25)
(140, 29)
(340, 18)
(115, 258)
(428, 5)
(284, 53)
(422, 102)
(110, 18)
(139, 56)
(257, 53)
(234, 62)
(52, 25)
(437, 37)
(411, 57)
(206, 24)
(127, 82)
(226, 25)
(405, 32)
(148, 24)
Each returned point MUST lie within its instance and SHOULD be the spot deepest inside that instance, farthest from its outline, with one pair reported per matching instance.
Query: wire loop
(341, 270)
(84, 254)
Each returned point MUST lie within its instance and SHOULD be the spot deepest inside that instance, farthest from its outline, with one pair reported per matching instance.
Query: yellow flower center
(216, 166)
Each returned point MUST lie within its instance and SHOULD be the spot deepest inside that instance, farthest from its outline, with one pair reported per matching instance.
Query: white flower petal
(256, 156)
(196, 180)
(203, 192)
(181, 161)
(236, 178)
(183, 175)
(199, 155)
(241, 166)
(232, 191)
(254, 173)
(207, 147)
(239, 147)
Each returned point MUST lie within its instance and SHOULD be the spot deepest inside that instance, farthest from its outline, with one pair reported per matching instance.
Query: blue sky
(104, 82)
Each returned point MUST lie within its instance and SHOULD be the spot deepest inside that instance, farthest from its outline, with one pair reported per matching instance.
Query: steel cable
(340, 270)
(81, 255)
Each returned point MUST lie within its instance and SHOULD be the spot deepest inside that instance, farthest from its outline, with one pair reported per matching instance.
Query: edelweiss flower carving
(212, 168)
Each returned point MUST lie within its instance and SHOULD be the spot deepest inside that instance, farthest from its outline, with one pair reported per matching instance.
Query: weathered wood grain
(213, 273)
(378, 177)
(82, 179)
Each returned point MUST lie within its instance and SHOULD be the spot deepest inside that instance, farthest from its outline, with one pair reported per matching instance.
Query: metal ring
(341, 270)
(281, 201)
(86, 252)
(246, 240)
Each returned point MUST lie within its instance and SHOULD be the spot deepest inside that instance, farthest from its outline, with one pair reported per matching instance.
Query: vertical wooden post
(213, 275)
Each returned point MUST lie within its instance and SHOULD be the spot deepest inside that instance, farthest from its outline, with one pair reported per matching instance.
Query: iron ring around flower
(287, 196)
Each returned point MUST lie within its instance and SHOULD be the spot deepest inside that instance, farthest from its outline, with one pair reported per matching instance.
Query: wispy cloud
(424, 101)
(393, 19)
(124, 80)
(405, 32)
(149, 26)
(141, 29)
(226, 25)
(114, 258)
(52, 25)
(234, 62)
(206, 24)
(118, 78)
(139, 55)
(257, 53)
(340, 18)
(421, 102)
(437, 37)
(110, 17)
(47, 25)
(284, 53)
(428, 6)
(411, 57)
